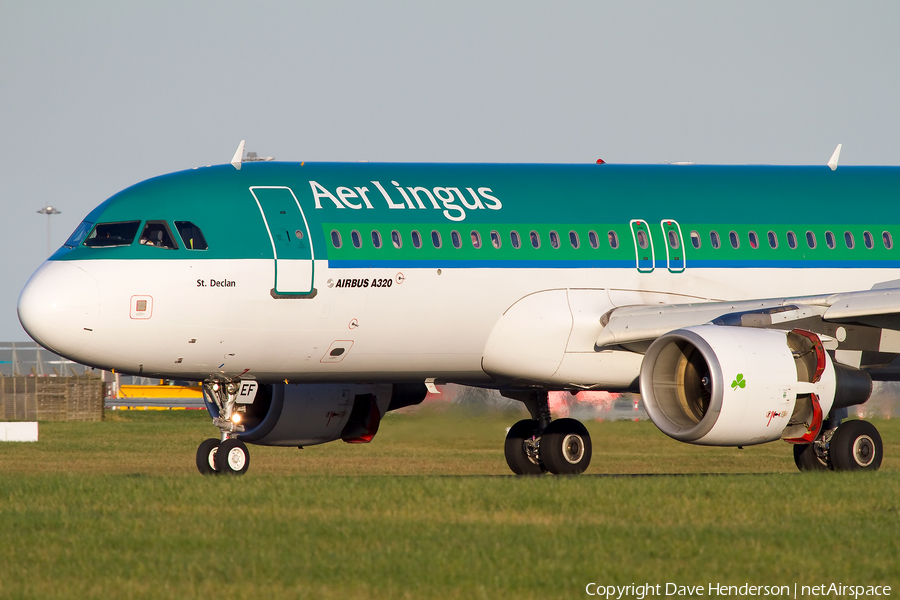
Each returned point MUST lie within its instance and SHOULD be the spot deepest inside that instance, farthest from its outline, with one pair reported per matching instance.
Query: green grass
(116, 509)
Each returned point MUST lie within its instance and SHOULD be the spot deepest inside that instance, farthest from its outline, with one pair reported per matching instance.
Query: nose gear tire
(232, 458)
(206, 456)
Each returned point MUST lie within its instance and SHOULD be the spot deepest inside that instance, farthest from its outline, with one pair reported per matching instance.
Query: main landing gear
(850, 446)
(537, 445)
(227, 455)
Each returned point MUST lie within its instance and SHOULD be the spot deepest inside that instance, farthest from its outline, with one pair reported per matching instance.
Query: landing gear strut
(226, 455)
(534, 446)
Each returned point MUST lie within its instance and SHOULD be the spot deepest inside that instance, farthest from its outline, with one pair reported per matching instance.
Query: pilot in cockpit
(157, 234)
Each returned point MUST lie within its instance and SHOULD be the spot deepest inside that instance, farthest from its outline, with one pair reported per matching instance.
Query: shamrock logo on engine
(739, 382)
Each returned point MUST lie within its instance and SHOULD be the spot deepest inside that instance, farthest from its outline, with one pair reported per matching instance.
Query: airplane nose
(59, 307)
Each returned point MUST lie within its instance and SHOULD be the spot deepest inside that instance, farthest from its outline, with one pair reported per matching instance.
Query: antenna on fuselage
(251, 157)
(835, 158)
(238, 155)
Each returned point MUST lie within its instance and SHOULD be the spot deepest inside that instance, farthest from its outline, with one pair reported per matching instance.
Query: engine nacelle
(734, 386)
(309, 414)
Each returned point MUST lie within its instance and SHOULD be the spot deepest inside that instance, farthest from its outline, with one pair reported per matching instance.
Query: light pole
(49, 211)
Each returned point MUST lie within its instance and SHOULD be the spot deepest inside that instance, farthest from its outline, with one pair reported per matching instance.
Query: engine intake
(733, 386)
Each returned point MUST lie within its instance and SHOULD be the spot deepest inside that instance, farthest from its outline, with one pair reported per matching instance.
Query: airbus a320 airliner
(747, 304)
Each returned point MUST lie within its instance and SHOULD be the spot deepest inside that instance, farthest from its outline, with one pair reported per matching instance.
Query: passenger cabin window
(535, 239)
(573, 239)
(773, 240)
(157, 234)
(455, 239)
(495, 239)
(642, 239)
(734, 239)
(356, 239)
(436, 238)
(714, 239)
(554, 239)
(112, 234)
(376, 238)
(829, 240)
(695, 240)
(811, 240)
(396, 239)
(887, 239)
(613, 240)
(673, 240)
(79, 234)
(792, 240)
(868, 240)
(515, 240)
(193, 238)
(335, 238)
(594, 239)
(416, 239)
(848, 240)
(476, 240)
(754, 240)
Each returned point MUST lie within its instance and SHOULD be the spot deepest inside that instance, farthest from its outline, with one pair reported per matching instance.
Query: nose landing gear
(535, 446)
(227, 455)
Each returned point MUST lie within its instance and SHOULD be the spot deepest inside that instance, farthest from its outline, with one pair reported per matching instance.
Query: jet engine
(733, 386)
(309, 414)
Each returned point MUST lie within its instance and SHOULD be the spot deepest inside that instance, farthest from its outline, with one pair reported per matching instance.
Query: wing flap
(863, 304)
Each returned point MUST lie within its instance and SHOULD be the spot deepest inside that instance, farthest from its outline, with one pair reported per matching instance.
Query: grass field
(428, 510)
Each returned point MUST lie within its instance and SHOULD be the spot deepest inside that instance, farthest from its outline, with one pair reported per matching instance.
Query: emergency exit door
(674, 245)
(291, 244)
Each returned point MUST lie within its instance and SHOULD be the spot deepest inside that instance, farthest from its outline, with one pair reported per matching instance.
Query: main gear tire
(856, 446)
(566, 447)
(806, 458)
(521, 459)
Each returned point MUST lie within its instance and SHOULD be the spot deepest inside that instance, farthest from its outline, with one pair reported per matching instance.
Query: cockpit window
(193, 238)
(156, 233)
(79, 234)
(112, 234)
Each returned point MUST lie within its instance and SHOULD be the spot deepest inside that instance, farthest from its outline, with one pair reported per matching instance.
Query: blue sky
(96, 96)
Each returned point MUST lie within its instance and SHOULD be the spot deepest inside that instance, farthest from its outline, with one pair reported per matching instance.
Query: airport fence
(75, 398)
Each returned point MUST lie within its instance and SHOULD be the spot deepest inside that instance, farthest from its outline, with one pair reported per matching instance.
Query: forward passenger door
(291, 244)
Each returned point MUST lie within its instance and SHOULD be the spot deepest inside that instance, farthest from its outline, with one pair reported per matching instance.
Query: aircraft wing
(858, 312)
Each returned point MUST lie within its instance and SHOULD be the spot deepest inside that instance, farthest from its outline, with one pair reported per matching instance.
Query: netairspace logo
(650, 590)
